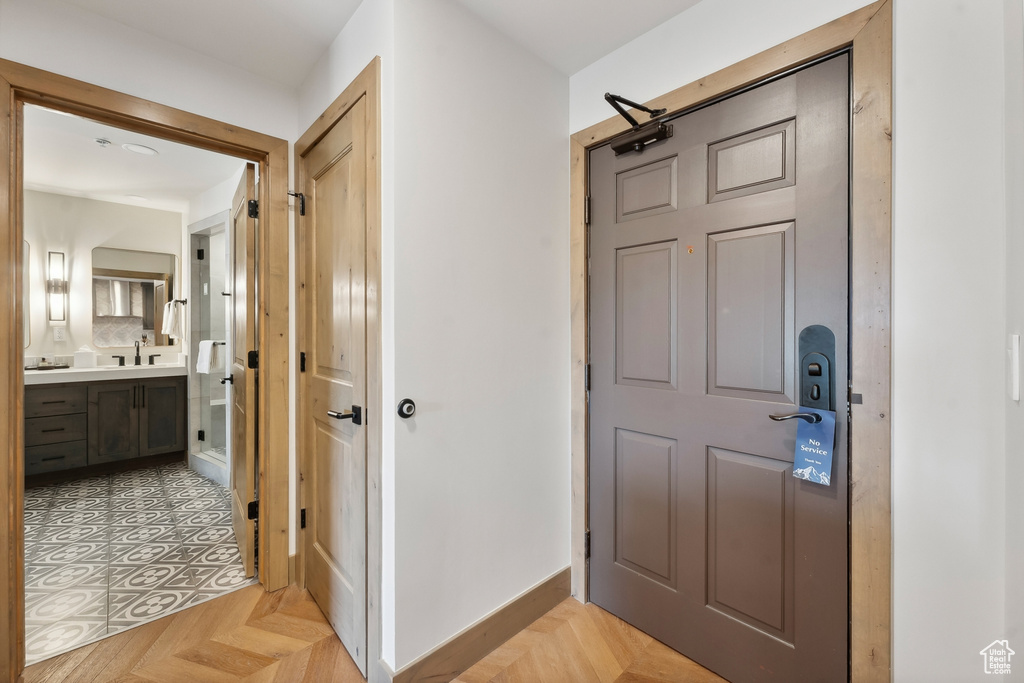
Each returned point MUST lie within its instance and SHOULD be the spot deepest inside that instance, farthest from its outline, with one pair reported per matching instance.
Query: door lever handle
(356, 415)
(810, 417)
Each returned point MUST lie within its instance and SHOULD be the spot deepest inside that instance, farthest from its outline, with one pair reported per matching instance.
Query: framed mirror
(130, 290)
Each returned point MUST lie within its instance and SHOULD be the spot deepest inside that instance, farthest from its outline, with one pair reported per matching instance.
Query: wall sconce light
(56, 287)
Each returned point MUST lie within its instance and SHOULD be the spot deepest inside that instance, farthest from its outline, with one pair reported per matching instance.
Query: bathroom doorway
(210, 256)
(122, 525)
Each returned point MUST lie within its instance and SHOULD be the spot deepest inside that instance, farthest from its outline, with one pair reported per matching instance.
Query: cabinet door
(113, 421)
(161, 415)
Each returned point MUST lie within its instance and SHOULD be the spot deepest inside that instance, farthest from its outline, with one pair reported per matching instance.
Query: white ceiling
(570, 34)
(62, 156)
(281, 40)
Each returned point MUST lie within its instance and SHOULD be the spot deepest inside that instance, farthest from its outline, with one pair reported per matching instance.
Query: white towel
(207, 361)
(172, 320)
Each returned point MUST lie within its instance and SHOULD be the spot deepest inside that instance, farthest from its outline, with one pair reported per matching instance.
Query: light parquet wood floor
(576, 643)
(249, 635)
(282, 637)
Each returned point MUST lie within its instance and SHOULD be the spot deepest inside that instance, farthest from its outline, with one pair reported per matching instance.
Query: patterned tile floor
(108, 553)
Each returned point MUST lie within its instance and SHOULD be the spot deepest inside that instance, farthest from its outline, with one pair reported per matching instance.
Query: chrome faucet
(138, 358)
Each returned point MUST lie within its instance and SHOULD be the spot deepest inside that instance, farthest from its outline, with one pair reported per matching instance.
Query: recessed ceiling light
(139, 149)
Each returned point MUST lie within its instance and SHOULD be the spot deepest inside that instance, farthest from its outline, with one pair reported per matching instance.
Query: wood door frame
(367, 84)
(868, 33)
(20, 84)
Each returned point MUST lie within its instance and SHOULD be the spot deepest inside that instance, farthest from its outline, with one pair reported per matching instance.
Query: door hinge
(202, 435)
(302, 201)
(302, 518)
(253, 360)
(254, 510)
(586, 545)
(200, 254)
(254, 208)
(586, 377)
(586, 210)
(302, 361)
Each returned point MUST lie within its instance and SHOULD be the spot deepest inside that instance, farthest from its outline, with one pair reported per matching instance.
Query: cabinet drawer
(55, 456)
(44, 430)
(65, 399)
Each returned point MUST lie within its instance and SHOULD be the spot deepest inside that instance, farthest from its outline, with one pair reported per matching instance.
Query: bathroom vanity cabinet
(88, 423)
(133, 419)
(55, 427)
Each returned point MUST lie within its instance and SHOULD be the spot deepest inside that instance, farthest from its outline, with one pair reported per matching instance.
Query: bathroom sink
(104, 372)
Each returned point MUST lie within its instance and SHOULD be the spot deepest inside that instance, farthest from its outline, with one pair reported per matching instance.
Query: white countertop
(103, 373)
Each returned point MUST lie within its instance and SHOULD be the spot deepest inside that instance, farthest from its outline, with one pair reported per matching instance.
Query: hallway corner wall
(482, 487)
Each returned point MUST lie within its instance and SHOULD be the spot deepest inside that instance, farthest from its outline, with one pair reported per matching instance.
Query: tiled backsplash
(117, 331)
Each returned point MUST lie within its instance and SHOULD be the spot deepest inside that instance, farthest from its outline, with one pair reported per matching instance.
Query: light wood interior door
(336, 473)
(243, 379)
(710, 252)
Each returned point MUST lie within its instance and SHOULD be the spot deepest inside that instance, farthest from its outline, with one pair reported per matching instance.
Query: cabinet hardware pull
(55, 457)
(47, 403)
(61, 429)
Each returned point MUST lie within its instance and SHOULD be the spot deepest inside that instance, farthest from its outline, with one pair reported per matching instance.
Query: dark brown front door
(710, 252)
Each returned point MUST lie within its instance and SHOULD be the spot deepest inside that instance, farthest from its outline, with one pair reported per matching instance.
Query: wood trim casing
(870, 350)
(20, 84)
(463, 650)
(367, 84)
(868, 31)
(12, 396)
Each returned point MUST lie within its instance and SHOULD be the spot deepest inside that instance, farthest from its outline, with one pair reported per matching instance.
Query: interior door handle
(810, 417)
(356, 415)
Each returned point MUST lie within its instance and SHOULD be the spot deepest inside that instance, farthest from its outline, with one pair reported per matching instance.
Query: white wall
(1014, 158)
(482, 487)
(215, 199)
(950, 288)
(949, 324)
(75, 226)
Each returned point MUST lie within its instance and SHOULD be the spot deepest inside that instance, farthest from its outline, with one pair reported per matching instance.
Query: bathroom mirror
(129, 291)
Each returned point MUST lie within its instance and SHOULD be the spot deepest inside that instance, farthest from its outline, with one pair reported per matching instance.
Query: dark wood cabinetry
(113, 421)
(55, 428)
(162, 415)
(68, 426)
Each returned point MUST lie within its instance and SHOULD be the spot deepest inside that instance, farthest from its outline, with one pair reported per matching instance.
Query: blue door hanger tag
(814, 444)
